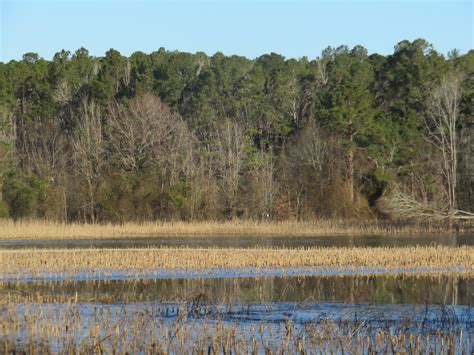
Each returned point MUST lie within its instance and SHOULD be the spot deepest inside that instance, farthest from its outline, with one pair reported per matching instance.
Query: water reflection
(449, 290)
(248, 241)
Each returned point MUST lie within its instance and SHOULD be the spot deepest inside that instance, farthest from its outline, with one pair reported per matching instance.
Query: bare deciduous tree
(148, 139)
(442, 127)
(89, 151)
(231, 153)
(46, 156)
(7, 137)
(142, 131)
(7, 144)
(264, 184)
(309, 168)
(322, 65)
(45, 149)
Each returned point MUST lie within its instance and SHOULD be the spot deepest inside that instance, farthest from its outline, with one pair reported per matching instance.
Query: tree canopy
(190, 136)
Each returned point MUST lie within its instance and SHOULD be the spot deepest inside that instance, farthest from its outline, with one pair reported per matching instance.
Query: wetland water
(268, 298)
(212, 273)
(151, 309)
(246, 241)
(184, 309)
(380, 289)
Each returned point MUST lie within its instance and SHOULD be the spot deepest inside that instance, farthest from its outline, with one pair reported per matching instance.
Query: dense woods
(173, 135)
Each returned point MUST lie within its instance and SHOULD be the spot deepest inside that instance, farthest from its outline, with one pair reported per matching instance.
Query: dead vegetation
(153, 329)
(139, 262)
(51, 230)
(399, 205)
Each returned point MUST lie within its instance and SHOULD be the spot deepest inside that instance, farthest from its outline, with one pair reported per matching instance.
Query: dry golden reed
(130, 329)
(51, 230)
(71, 261)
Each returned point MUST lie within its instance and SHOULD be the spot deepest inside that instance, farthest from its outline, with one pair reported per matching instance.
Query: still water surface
(419, 305)
(246, 241)
(386, 289)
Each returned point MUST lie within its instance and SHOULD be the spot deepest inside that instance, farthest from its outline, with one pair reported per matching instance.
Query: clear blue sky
(250, 28)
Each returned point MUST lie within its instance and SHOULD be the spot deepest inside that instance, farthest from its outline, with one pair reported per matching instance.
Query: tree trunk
(442, 126)
(91, 201)
(350, 168)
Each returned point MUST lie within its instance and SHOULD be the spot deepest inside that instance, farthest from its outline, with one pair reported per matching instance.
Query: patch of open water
(176, 273)
(364, 305)
(246, 241)
(388, 289)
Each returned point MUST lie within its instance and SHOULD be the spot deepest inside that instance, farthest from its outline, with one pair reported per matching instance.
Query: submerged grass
(141, 261)
(70, 328)
(52, 230)
(400, 289)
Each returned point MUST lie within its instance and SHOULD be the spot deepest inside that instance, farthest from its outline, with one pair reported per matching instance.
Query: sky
(250, 28)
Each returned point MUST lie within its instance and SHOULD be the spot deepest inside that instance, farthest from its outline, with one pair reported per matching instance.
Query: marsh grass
(50, 230)
(152, 330)
(139, 262)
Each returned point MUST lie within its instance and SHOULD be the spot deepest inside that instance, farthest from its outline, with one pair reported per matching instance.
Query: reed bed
(50, 230)
(151, 330)
(138, 262)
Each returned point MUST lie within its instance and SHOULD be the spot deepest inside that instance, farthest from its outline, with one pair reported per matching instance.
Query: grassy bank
(139, 261)
(52, 230)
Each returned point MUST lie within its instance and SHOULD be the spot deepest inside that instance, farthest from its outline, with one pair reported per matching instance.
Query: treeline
(173, 135)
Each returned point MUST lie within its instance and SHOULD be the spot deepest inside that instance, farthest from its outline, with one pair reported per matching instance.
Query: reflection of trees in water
(452, 291)
(378, 289)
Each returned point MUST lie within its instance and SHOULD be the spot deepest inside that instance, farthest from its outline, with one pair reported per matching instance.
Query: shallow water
(107, 275)
(431, 315)
(124, 314)
(246, 241)
(275, 327)
(381, 289)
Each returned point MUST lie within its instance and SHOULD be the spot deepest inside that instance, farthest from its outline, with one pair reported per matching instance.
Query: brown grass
(52, 230)
(71, 261)
(131, 329)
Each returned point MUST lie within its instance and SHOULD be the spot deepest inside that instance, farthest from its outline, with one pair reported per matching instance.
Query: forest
(179, 136)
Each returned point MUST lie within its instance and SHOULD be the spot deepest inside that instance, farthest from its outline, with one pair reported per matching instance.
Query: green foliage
(4, 213)
(371, 110)
(348, 103)
(175, 198)
(22, 194)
